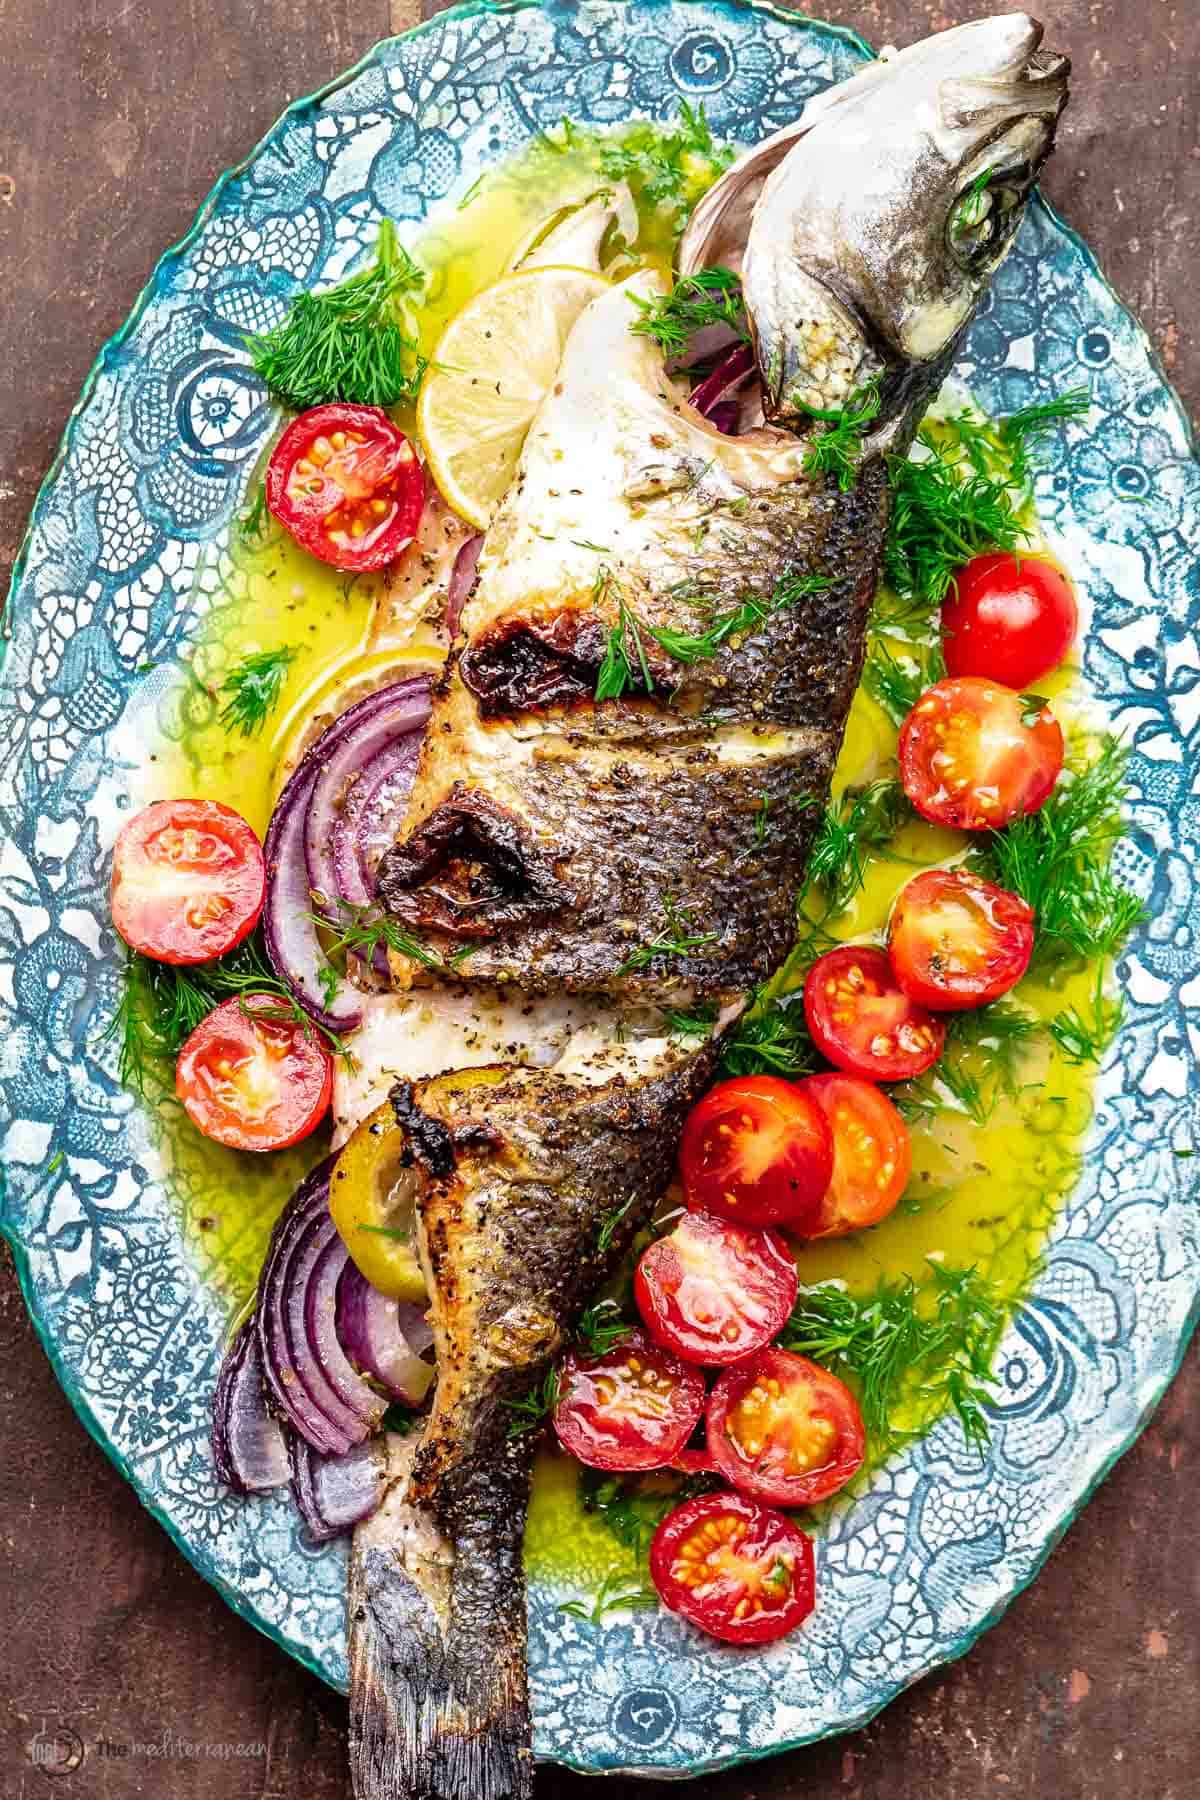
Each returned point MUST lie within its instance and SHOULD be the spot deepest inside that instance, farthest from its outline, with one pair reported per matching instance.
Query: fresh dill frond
(709, 297)
(346, 343)
(666, 167)
(535, 1407)
(931, 1345)
(770, 1038)
(696, 1022)
(1058, 860)
(363, 930)
(1083, 1035)
(602, 1326)
(632, 1507)
(608, 1227)
(679, 937)
(624, 665)
(748, 615)
(864, 819)
(254, 524)
(838, 450)
(941, 519)
(254, 686)
(896, 683)
(980, 1065)
(613, 1595)
(1020, 431)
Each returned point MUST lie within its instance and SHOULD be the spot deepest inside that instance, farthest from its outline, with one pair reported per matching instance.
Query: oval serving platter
(122, 559)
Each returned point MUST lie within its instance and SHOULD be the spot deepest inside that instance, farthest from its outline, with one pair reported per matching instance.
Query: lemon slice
(491, 371)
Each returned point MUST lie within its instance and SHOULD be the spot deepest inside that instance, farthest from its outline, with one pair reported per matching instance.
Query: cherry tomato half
(782, 1429)
(1009, 618)
(863, 1022)
(635, 1407)
(872, 1153)
(974, 755)
(756, 1151)
(957, 940)
(712, 1291)
(736, 1569)
(188, 880)
(253, 1079)
(346, 483)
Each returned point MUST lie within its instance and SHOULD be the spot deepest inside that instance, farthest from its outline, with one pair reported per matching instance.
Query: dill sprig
(1020, 431)
(838, 450)
(667, 168)
(254, 686)
(969, 210)
(864, 819)
(363, 930)
(980, 1065)
(535, 1407)
(161, 1004)
(896, 683)
(770, 1038)
(1058, 859)
(932, 1343)
(709, 297)
(748, 615)
(602, 1326)
(613, 1595)
(254, 524)
(624, 664)
(693, 1022)
(634, 1507)
(346, 343)
(609, 1224)
(679, 937)
(1083, 1034)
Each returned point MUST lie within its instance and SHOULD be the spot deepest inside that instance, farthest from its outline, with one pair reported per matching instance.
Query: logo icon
(56, 1750)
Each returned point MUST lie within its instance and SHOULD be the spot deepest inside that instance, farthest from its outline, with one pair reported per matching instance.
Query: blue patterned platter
(116, 572)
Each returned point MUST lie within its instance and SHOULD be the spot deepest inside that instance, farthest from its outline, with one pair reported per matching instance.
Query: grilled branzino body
(602, 859)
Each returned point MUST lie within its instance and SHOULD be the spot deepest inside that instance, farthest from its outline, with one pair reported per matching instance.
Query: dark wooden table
(118, 116)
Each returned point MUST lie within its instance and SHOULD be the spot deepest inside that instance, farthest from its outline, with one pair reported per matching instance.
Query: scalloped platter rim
(111, 578)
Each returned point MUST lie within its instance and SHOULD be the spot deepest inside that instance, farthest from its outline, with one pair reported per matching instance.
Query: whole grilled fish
(602, 859)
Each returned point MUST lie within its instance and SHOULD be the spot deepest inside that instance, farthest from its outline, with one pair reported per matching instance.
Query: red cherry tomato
(957, 940)
(782, 1429)
(347, 484)
(251, 1079)
(713, 1292)
(736, 1569)
(756, 1151)
(1009, 618)
(974, 755)
(635, 1407)
(188, 880)
(863, 1022)
(872, 1153)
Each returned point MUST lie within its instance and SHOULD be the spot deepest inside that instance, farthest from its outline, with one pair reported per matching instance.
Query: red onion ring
(375, 1332)
(320, 1328)
(249, 1449)
(333, 1493)
(462, 580)
(730, 374)
(371, 816)
(288, 1362)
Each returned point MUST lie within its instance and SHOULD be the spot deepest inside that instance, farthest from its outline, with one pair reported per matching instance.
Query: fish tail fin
(439, 1704)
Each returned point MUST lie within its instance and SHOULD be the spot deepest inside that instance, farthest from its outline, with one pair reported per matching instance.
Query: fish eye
(985, 214)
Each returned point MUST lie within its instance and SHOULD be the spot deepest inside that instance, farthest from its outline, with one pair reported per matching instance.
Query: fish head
(876, 235)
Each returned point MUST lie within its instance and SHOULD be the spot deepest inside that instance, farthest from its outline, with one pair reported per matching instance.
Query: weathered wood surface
(118, 115)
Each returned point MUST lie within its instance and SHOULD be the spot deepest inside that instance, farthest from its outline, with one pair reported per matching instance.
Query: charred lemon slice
(493, 367)
(373, 1202)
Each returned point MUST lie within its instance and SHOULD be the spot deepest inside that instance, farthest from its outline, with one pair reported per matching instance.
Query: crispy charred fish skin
(647, 846)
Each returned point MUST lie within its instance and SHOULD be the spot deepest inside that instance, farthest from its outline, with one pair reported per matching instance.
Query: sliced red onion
(364, 731)
(724, 415)
(730, 374)
(462, 580)
(289, 1365)
(370, 819)
(371, 1331)
(249, 1448)
(305, 815)
(710, 340)
(329, 1258)
(333, 1493)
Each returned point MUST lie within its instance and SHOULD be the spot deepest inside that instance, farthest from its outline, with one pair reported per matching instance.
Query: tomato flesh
(756, 1151)
(863, 1022)
(346, 483)
(713, 1292)
(872, 1153)
(738, 1570)
(958, 941)
(974, 755)
(188, 880)
(252, 1079)
(783, 1429)
(635, 1407)
(1009, 618)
